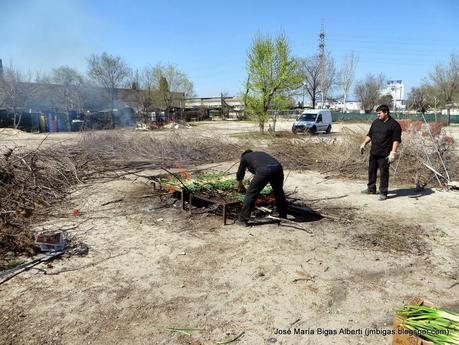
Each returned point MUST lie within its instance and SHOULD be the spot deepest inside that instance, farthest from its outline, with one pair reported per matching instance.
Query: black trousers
(381, 163)
(274, 175)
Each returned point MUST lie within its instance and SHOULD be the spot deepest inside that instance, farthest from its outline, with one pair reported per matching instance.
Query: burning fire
(184, 173)
(170, 189)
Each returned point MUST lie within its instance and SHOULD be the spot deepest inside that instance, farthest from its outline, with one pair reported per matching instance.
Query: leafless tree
(109, 72)
(310, 69)
(419, 98)
(445, 79)
(347, 74)
(368, 91)
(146, 89)
(16, 91)
(327, 78)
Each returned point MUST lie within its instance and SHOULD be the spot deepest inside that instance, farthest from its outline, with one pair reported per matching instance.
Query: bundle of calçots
(211, 183)
(440, 326)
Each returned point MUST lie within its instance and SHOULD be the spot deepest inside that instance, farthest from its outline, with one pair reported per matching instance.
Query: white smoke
(40, 35)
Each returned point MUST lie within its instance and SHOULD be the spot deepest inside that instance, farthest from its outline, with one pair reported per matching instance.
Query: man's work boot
(368, 191)
(242, 223)
(382, 197)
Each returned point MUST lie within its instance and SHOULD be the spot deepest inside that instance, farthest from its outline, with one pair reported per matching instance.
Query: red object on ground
(76, 212)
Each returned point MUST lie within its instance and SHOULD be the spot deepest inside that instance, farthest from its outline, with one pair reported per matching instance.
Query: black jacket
(382, 135)
(256, 161)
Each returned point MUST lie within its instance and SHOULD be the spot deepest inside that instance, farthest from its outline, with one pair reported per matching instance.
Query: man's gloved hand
(362, 149)
(391, 157)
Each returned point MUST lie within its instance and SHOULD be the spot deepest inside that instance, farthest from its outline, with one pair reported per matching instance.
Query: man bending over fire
(266, 169)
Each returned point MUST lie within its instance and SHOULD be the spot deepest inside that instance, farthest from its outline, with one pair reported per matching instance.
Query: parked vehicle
(313, 121)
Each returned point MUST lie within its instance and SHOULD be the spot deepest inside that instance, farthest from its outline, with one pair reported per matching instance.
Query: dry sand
(152, 266)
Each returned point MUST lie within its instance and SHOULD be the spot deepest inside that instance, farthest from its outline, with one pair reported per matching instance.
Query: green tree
(164, 93)
(162, 82)
(279, 103)
(272, 72)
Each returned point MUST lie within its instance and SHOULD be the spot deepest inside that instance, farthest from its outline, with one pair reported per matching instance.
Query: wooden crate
(405, 339)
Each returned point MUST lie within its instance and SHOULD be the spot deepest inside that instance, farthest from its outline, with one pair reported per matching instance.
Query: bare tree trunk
(275, 121)
(112, 115)
(17, 120)
(344, 107)
(261, 124)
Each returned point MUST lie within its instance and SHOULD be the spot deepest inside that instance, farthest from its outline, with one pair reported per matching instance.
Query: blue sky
(209, 39)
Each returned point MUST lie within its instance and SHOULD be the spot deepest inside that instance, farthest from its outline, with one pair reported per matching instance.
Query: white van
(313, 120)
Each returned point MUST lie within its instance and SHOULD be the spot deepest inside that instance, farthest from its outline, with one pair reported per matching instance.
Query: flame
(170, 189)
(184, 173)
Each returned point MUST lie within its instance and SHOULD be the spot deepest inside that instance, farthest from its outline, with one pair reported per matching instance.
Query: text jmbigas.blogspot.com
(340, 331)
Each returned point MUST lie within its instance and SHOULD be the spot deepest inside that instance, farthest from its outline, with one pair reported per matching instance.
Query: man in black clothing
(266, 169)
(385, 135)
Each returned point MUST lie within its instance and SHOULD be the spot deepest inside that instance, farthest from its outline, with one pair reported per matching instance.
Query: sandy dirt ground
(16, 138)
(151, 266)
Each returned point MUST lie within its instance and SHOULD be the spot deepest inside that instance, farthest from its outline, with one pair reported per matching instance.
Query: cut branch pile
(30, 180)
(341, 156)
(123, 149)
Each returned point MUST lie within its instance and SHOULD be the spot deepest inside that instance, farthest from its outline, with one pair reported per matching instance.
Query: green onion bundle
(439, 326)
(211, 182)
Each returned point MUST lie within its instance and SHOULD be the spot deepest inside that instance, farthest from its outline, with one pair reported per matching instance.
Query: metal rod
(436, 147)
(435, 171)
(427, 156)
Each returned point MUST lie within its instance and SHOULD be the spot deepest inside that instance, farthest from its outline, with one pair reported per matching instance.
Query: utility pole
(322, 62)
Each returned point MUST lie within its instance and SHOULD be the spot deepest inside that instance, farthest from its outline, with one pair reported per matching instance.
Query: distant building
(396, 89)
(224, 106)
(213, 102)
(351, 106)
(60, 106)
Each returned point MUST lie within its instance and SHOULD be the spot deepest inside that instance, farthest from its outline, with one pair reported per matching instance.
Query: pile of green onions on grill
(439, 326)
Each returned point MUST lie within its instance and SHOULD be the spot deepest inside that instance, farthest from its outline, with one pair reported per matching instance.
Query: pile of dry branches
(340, 156)
(30, 180)
(118, 148)
(328, 155)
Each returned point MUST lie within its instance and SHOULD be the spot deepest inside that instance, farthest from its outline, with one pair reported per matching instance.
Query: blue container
(52, 122)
